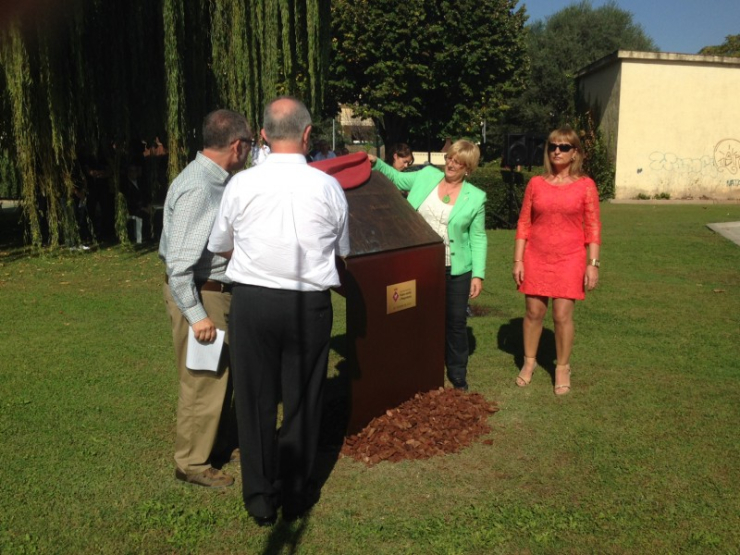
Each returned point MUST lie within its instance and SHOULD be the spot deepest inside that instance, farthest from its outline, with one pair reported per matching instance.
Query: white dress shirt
(286, 222)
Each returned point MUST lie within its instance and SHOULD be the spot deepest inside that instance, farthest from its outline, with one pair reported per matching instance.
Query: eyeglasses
(451, 160)
(552, 147)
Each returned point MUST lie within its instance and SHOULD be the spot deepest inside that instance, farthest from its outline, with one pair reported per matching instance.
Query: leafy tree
(438, 67)
(731, 47)
(558, 47)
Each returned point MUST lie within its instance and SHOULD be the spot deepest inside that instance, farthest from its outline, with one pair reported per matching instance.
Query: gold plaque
(400, 296)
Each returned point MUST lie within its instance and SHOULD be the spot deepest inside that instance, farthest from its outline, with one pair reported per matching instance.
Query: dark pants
(456, 333)
(279, 344)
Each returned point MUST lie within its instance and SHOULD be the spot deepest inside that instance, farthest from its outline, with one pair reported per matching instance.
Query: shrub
(505, 191)
(596, 161)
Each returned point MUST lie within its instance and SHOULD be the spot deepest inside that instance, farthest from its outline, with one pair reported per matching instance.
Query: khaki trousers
(205, 422)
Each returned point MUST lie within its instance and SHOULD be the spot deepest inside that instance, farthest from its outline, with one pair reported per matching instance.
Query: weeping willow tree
(83, 87)
(264, 48)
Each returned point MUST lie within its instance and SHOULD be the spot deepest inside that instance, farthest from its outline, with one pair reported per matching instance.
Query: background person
(399, 157)
(136, 191)
(559, 215)
(197, 294)
(323, 152)
(282, 223)
(455, 209)
(260, 152)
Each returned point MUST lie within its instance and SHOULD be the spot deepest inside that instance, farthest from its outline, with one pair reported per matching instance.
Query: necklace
(446, 198)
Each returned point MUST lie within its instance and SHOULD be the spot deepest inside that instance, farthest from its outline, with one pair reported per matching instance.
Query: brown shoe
(209, 478)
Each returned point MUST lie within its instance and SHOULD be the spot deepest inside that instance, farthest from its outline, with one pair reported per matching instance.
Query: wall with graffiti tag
(677, 125)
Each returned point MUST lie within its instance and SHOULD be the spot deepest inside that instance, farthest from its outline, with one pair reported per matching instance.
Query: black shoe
(264, 521)
(461, 386)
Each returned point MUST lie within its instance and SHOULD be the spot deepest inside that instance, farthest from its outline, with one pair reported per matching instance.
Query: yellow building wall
(601, 92)
(676, 123)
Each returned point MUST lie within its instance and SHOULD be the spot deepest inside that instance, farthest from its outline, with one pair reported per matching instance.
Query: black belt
(209, 285)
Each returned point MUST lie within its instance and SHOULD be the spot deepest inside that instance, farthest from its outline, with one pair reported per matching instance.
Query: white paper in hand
(204, 356)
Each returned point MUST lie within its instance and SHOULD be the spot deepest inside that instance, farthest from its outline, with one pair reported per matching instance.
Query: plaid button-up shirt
(190, 209)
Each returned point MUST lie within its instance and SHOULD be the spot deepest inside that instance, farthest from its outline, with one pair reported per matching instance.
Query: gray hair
(288, 122)
(223, 127)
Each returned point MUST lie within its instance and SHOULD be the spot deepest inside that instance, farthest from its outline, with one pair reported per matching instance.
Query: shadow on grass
(510, 341)
(286, 534)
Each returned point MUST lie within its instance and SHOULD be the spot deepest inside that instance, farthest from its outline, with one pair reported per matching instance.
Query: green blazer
(467, 225)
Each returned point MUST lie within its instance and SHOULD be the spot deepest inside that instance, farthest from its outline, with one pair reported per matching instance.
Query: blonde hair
(566, 134)
(467, 153)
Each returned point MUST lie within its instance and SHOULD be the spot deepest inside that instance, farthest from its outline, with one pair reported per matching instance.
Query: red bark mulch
(438, 422)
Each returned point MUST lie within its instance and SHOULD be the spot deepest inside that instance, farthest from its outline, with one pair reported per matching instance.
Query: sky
(683, 26)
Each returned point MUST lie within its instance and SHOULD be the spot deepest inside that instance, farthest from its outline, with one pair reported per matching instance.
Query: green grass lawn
(641, 457)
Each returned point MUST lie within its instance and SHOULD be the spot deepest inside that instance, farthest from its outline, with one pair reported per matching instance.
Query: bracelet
(518, 260)
(594, 262)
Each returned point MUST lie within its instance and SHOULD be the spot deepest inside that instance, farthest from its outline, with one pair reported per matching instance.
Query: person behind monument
(400, 157)
(281, 223)
(455, 209)
(197, 295)
(323, 152)
(558, 225)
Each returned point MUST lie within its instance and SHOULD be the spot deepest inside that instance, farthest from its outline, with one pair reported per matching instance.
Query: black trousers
(279, 343)
(456, 332)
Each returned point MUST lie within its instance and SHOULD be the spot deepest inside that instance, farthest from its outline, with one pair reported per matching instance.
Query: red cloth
(558, 222)
(351, 170)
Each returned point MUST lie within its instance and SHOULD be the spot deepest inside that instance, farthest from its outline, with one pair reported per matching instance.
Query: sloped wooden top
(381, 219)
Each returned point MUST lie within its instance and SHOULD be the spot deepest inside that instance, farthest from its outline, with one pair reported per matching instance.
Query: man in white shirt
(282, 224)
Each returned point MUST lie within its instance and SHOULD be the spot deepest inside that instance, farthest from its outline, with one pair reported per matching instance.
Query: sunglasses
(563, 148)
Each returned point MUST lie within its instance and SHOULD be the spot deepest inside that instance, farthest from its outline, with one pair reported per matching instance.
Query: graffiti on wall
(726, 158)
(667, 161)
(727, 155)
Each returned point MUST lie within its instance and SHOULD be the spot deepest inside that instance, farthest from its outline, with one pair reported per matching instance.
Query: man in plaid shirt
(197, 294)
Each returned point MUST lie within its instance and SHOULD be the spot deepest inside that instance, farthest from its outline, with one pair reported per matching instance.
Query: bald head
(286, 120)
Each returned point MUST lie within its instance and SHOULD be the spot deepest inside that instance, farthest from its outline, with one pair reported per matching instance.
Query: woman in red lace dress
(558, 230)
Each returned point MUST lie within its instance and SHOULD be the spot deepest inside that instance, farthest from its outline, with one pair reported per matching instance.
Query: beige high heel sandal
(521, 381)
(562, 388)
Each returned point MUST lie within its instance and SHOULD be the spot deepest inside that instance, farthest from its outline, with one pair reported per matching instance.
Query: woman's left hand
(591, 278)
(476, 286)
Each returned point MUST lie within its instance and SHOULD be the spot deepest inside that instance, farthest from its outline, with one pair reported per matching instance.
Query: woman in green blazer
(455, 209)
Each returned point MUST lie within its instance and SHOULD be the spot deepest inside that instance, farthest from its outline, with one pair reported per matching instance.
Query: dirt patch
(434, 423)
(478, 311)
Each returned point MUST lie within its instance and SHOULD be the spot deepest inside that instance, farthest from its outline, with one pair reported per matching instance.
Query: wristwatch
(594, 262)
